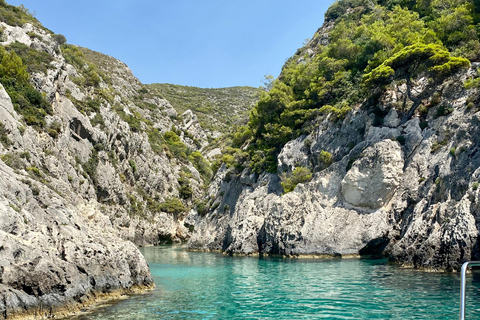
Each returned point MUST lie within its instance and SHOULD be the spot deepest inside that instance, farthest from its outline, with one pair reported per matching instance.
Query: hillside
(93, 162)
(218, 110)
(367, 143)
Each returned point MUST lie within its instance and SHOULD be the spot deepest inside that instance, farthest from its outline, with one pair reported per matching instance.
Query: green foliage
(436, 145)
(98, 120)
(134, 120)
(157, 142)
(4, 139)
(172, 205)
(13, 160)
(339, 8)
(325, 159)
(27, 101)
(36, 61)
(202, 165)
(414, 59)
(217, 109)
(54, 129)
(299, 175)
(90, 75)
(133, 165)
(34, 171)
(60, 39)
(185, 190)
(443, 110)
(371, 44)
(175, 145)
(202, 207)
(90, 166)
(16, 16)
(86, 106)
(452, 151)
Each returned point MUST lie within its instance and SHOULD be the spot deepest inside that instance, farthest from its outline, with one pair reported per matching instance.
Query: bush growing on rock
(27, 101)
(172, 205)
(298, 175)
(325, 158)
(176, 146)
(4, 139)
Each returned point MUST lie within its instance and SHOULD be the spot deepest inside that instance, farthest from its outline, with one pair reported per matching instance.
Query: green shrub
(90, 75)
(172, 205)
(185, 190)
(299, 175)
(157, 142)
(87, 106)
(35, 172)
(325, 159)
(13, 160)
(443, 110)
(16, 16)
(27, 101)
(98, 120)
(133, 165)
(175, 145)
(60, 39)
(4, 139)
(54, 129)
(201, 165)
(202, 207)
(36, 61)
(436, 145)
(134, 120)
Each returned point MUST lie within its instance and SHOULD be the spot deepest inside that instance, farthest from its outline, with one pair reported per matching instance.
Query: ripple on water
(196, 285)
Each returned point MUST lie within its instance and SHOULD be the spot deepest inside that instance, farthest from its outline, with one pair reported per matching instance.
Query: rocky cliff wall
(98, 176)
(408, 190)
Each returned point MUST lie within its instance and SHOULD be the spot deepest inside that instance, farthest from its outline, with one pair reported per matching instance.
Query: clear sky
(202, 43)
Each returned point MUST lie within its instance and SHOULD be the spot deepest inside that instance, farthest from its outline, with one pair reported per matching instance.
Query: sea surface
(199, 285)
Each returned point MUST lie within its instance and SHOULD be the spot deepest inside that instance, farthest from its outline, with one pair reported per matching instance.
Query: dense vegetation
(30, 103)
(17, 16)
(371, 45)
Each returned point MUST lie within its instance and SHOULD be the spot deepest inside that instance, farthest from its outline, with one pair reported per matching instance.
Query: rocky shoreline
(405, 190)
(75, 309)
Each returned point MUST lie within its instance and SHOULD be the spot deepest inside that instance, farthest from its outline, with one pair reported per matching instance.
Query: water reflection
(196, 285)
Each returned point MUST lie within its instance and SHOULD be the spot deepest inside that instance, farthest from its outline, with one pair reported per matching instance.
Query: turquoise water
(196, 285)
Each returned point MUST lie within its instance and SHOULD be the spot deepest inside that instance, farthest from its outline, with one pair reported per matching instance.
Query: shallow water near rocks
(198, 285)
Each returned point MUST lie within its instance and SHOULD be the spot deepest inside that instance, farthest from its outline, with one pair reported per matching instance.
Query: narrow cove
(198, 285)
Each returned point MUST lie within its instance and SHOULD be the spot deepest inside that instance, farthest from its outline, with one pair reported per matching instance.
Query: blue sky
(202, 43)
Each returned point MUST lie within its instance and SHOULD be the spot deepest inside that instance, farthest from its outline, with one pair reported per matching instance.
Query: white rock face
(78, 194)
(374, 178)
(406, 189)
(391, 119)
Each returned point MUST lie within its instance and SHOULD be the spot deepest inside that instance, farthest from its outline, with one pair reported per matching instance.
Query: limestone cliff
(93, 162)
(396, 189)
(394, 173)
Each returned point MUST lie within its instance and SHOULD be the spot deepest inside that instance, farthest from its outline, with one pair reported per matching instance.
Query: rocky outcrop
(77, 194)
(375, 176)
(57, 256)
(405, 190)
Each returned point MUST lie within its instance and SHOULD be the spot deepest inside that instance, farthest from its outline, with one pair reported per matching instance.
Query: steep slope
(374, 126)
(217, 109)
(92, 160)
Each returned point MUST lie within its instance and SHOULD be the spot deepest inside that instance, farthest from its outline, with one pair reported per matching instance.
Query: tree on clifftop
(409, 63)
